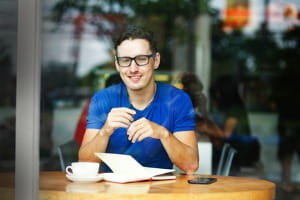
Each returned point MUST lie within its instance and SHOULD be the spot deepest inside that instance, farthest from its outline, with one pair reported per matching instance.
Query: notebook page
(124, 165)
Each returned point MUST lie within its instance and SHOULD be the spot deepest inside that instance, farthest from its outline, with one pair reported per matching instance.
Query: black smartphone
(202, 180)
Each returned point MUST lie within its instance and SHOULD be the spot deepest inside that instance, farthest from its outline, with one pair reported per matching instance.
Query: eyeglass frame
(134, 58)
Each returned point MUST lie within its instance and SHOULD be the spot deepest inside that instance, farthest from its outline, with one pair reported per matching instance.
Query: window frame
(28, 100)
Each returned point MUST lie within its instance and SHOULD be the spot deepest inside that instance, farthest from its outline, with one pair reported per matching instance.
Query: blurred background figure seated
(226, 122)
(230, 113)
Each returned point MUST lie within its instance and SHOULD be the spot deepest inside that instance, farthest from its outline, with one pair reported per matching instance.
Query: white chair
(205, 158)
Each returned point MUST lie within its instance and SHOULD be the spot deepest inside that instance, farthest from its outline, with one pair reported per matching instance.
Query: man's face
(134, 76)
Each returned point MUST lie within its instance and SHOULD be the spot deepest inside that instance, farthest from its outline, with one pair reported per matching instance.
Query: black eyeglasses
(140, 60)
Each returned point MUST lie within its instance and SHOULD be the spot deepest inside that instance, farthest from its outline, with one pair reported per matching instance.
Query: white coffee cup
(83, 169)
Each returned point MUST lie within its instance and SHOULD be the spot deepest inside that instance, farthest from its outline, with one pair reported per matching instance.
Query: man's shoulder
(171, 94)
(170, 90)
(166, 87)
(109, 91)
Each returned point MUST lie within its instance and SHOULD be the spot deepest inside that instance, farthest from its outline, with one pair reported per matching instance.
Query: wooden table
(54, 185)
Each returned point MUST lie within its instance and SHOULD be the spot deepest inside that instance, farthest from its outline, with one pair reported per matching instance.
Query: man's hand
(117, 117)
(142, 128)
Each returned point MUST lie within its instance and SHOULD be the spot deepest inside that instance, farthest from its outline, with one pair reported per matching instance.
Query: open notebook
(126, 169)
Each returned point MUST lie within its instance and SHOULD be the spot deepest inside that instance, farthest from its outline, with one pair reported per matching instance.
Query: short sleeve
(184, 113)
(97, 111)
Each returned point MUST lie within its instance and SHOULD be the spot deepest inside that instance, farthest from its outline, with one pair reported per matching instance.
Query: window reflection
(253, 41)
(8, 34)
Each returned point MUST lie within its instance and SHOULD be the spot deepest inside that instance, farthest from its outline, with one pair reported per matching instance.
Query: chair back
(226, 158)
(67, 154)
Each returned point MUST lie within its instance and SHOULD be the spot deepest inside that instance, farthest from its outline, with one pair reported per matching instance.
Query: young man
(152, 121)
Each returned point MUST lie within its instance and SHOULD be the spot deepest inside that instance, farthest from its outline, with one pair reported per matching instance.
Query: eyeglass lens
(140, 60)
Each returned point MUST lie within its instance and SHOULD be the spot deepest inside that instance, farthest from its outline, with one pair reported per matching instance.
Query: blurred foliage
(290, 53)
(171, 8)
(170, 19)
(256, 57)
(243, 54)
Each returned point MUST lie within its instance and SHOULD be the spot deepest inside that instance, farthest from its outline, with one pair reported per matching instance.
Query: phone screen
(202, 180)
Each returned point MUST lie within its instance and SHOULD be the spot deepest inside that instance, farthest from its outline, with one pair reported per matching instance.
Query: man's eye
(141, 58)
(125, 60)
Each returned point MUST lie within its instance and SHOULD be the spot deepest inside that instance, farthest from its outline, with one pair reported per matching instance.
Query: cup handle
(68, 168)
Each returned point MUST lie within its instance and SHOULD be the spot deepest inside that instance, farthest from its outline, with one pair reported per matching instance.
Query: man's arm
(96, 140)
(93, 141)
(182, 149)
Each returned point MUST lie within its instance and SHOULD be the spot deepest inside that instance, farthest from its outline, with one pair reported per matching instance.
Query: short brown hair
(136, 32)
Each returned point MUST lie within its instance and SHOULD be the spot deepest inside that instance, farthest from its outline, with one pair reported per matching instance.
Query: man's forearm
(97, 144)
(182, 155)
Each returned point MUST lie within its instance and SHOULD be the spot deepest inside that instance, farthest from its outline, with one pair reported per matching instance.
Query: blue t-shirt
(171, 108)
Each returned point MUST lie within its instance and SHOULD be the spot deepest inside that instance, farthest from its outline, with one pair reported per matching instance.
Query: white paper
(126, 169)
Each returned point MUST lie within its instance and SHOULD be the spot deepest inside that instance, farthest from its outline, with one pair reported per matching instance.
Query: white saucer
(79, 179)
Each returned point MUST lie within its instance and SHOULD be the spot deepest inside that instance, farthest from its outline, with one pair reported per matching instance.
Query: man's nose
(133, 66)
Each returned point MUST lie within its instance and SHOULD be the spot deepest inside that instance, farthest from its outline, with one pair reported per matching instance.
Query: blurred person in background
(286, 99)
(191, 84)
(230, 113)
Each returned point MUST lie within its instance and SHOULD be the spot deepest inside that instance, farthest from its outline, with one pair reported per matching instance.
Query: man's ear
(156, 60)
(116, 65)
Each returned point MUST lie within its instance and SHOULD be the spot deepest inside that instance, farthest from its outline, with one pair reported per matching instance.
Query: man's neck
(140, 99)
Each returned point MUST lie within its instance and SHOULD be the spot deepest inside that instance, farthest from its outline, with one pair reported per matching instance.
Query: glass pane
(8, 35)
(256, 43)
(252, 41)
(76, 60)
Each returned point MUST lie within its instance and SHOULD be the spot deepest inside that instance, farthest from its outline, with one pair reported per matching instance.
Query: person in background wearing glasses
(149, 120)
